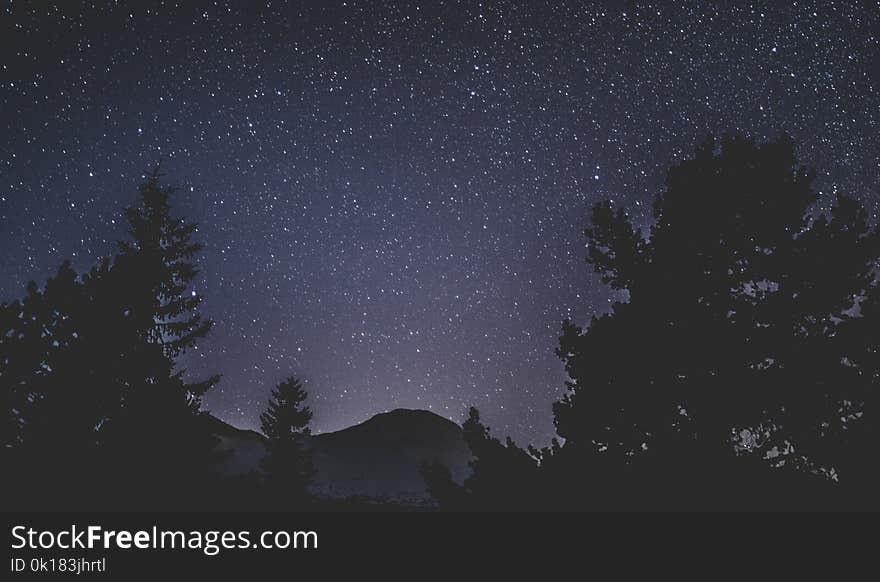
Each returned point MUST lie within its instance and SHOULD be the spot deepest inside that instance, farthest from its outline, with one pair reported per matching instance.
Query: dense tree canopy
(745, 327)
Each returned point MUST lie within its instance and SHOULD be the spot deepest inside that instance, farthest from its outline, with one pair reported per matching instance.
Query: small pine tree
(287, 465)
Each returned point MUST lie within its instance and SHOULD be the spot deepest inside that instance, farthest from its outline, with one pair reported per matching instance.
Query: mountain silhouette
(377, 460)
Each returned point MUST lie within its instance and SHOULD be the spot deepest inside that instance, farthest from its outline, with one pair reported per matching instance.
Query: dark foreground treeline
(740, 373)
(95, 412)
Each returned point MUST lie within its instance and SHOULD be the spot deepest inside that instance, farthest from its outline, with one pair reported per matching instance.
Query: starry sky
(392, 194)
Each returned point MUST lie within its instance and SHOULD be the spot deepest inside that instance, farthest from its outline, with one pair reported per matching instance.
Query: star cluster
(392, 194)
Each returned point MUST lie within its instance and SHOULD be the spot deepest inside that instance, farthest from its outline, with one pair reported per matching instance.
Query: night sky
(392, 195)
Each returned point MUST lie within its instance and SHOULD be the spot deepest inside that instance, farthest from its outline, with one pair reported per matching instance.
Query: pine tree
(159, 265)
(158, 433)
(287, 466)
(164, 252)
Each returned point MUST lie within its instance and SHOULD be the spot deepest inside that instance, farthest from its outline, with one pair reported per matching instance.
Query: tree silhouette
(21, 353)
(730, 344)
(158, 426)
(88, 378)
(287, 465)
(160, 257)
(503, 476)
(56, 401)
